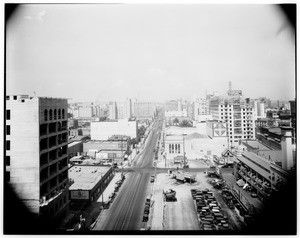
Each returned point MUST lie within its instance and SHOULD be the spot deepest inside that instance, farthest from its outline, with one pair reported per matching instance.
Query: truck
(170, 195)
(179, 177)
(190, 178)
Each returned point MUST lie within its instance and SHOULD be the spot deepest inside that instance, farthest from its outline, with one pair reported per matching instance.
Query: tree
(141, 132)
(133, 142)
(185, 123)
(175, 121)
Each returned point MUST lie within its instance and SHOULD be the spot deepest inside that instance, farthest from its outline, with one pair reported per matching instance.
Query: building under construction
(237, 113)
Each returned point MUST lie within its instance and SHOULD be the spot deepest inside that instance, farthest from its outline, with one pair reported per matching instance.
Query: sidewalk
(157, 213)
(110, 188)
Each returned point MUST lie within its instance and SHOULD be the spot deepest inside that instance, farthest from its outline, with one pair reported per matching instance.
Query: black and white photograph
(150, 118)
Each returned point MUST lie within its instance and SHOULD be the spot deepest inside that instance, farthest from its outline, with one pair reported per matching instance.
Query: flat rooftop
(257, 145)
(101, 142)
(257, 163)
(86, 177)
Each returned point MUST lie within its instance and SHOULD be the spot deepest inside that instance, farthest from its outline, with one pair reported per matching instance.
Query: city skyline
(95, 52)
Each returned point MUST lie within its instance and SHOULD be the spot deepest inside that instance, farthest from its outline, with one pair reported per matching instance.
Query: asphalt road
(126, 211)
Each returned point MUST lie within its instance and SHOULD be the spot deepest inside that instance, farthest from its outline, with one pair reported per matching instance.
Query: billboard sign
(80, 194)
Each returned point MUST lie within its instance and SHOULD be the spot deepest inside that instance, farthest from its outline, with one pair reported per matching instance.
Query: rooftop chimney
(286, 146)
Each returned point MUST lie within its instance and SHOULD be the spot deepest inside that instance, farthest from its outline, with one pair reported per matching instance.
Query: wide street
(126, 211)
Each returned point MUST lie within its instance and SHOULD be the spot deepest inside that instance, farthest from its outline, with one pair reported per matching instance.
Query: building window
(7, 114)
(7, 130)
(55, 114)
(178, 148)
(46, 115)
(7, 145)
(58, 113)
(63, 113)
(7, 176)
(170, 149)
(175, 148)
(7, 97)
(15, 97)
(7, 161)
(50, 114)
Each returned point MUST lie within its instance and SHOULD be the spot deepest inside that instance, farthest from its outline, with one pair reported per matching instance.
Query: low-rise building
(106, 129)
(89, 182)
(176, 113)
(266, 170)
(75, 148)
(195, 145)
(73, 133)
(115, 149)
(84, 131)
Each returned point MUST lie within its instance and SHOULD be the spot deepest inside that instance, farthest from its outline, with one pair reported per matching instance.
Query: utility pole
(183, 153)
(102, 192)
(122, 157)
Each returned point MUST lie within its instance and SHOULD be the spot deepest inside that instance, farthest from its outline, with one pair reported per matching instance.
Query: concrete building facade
(89, 182)
(143, 110)
(200, 107)
(259, 109)
(74, 148)
(85, 112)
(36, 153)
(237, 113)
(181, 113)
(112, 111)
(106, 129)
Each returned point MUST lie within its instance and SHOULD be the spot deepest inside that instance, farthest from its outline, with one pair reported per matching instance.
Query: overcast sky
(150, 52)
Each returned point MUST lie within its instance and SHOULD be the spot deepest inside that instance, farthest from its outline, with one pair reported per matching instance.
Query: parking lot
(181, 214)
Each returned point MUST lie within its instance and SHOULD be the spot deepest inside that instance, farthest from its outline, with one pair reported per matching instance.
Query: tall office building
(171, 105)
(237, 113)
(144, 110)
(36, 153)
(200, 107)
(121, 110)
(124, 109)
(180, 105)
(259, 109)
(112, 111)
(128, 108)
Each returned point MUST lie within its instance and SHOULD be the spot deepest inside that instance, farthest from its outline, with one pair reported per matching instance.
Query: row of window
(7, 129)
(8, 145)
(7, 160)
(236, 116)
(58, 205)
(14, 97)
(7, 114)
(174, 148)
(54, 114)
(238, 107)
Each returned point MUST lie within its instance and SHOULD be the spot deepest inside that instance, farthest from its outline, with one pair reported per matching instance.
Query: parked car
(227, 166)
(254, 195)
(106, 205)
(145, 218)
